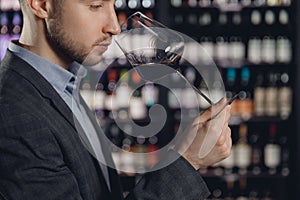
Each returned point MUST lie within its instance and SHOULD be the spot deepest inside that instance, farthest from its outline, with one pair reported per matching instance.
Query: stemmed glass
(149, 45)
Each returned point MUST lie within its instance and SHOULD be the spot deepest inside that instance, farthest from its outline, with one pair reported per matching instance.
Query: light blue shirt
(66, 83)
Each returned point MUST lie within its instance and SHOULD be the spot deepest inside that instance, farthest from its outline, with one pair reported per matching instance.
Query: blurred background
(255, 44)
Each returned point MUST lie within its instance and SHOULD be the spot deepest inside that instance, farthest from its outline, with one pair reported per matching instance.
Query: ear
(39, 8)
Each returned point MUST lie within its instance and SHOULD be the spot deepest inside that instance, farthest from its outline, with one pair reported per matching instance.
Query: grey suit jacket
(43, 158)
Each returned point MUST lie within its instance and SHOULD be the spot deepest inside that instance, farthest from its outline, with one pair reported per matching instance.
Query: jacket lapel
(40, 83)
(47, 91)
(115, 183)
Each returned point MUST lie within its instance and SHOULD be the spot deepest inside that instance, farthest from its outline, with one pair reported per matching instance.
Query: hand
(208, 139)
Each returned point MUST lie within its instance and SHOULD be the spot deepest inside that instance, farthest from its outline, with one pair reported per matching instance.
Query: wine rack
(245, 40)
(10, 23)
(255, 44)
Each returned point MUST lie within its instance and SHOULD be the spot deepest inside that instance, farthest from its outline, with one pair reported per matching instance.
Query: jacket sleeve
(177, 181)
(31, 165)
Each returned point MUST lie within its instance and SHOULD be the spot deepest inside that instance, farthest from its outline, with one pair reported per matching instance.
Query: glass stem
(196, 89)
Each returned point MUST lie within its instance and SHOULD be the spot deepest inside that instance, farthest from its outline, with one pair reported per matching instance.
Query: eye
(96, 6)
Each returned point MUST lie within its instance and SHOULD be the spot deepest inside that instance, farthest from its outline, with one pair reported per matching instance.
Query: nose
(112, 25)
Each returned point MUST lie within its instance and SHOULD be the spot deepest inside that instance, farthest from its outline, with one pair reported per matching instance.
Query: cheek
(80, 29)
(80, 33)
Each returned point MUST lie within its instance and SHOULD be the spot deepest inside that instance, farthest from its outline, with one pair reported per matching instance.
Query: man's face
(81, 30)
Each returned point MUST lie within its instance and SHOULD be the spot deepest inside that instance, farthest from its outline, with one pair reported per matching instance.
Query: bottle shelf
(222, 174)
(235, 23)
(236, 120)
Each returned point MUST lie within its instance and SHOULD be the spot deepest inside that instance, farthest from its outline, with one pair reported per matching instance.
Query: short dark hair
(23, 3)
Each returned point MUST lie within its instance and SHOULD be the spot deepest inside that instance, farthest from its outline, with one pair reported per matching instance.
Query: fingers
(229, 144)
(223, 118)
(226, 132)
(225, 143)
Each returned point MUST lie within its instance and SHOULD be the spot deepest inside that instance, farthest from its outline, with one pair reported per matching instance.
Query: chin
(92, 60)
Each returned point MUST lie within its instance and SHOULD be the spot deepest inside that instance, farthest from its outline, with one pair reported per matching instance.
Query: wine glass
(149, 46)
(155, 51)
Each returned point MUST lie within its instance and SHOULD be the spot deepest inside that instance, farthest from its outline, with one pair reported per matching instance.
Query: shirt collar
(79, 71)
(57, 76)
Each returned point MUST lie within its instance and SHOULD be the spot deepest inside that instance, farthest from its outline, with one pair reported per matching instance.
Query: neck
(34, 40)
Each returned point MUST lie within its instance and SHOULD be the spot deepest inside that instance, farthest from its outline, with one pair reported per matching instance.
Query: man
(41, 153)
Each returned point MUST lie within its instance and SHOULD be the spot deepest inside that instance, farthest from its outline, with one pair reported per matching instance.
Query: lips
(101, 47)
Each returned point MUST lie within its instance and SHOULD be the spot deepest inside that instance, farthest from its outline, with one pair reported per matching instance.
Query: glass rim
(141, 15)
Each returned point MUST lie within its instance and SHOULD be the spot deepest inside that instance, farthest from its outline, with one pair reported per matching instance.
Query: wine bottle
(99, 98)
(268, 52)
(150, 94)
(5, 5)
(220, 2)
(285, 96)
(255, 17)
(86, 91)
(259, 95)
(192, 19)
(141, 149)
(4, 34)
(286, 2)
(137, 107)
(128, 140)
(207, 44)
(176, 3)
(17, 23)
(221, 50)
(192, 3)
(271, 95)
(223, 19)
(242, 150)
(190, 100)
(285, 155)
(148, 4)
(205, 3)
(283, 49)
(253, 194)
(237, 53)
(134, 4)
(272, 150)
(245, 2)
(123, 94)
(237, 18)
(269, 17)
(259, 2)
(256, 154)
(120, 4)
(115, 135)
(205, 19)
(217, 194)
(283, 17)
(228, 163)
(272, 2)
(229, 192)
(254, 50)
(203, 104)
(110, 100)
(245, 101)
(231, 88)
(152, 154)
(243, 189)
